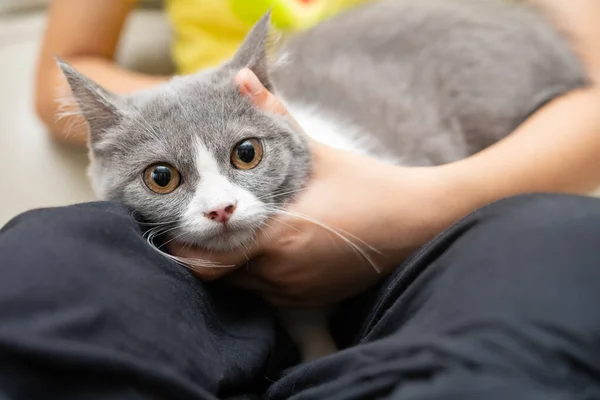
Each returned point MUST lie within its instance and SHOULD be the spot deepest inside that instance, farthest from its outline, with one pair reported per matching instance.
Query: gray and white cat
(414, 82)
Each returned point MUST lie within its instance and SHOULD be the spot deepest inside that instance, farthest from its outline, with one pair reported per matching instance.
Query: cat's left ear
(98, 106)
(252, 53)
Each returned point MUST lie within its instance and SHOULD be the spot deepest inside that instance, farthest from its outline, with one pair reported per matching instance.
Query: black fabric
(503, 305)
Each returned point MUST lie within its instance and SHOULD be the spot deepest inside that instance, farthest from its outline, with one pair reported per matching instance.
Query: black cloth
(503, 305)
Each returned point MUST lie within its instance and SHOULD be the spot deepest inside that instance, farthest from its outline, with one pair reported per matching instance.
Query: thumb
(251, 86)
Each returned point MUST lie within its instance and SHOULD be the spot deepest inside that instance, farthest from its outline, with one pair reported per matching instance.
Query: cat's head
(194, 152)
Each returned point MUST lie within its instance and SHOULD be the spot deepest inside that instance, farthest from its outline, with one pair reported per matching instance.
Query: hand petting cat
(298, 259)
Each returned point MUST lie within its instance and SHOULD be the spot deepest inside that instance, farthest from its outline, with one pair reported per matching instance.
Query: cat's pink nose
(221, 214)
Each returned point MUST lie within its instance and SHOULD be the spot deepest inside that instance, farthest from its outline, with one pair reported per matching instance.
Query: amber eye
(247, 154)
(161, 178)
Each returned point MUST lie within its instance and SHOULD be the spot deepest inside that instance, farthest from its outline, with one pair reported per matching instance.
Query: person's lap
(84, 297)
(502, 305)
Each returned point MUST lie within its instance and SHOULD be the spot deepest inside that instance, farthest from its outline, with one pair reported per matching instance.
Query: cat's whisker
(279, 194)
(253, 238)
(285, 223)
(190, 263)
(159, 223)
(269, 238)
(194, 264)
(244, 253)
(337, 229)
(158, 231)
(172, 239)
(338, 232)
(152, 231)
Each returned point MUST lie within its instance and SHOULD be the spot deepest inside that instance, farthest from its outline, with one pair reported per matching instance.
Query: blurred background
(37, 171)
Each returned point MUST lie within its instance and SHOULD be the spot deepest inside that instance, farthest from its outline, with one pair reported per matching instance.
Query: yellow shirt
(207, 32)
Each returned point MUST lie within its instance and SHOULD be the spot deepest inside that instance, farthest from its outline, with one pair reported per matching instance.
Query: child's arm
(85, 33)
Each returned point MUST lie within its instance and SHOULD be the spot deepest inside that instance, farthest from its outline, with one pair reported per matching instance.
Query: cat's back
(429, 81)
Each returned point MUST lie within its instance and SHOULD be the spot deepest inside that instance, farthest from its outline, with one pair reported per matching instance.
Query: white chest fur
(325, 130)
(338, 134)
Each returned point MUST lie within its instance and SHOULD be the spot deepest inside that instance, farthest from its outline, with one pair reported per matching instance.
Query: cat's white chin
(221, 239)
(229, 240)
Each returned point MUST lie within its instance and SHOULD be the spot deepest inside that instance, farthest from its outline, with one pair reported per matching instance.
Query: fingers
(257, 284)
(248, 281)
(209, 274)
(279, 294)
(251, 86)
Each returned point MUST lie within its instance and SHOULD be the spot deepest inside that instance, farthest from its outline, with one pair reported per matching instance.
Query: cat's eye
(247, 154)
(162, 178)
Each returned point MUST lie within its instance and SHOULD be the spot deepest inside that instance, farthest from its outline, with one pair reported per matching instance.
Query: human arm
(84, 33)
(558, 148)
(397, 209)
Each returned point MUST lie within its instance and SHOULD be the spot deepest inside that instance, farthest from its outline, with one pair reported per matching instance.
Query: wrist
(437, 197)
(409, 206)
(392, 208)
(465, 188)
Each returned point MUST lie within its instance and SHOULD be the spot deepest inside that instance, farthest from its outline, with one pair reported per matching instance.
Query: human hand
(354, 223)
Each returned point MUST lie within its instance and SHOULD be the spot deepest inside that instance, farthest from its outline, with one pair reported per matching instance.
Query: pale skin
(397, 209)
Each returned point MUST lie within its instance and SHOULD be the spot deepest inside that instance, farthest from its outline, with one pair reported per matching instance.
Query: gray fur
(431, 81)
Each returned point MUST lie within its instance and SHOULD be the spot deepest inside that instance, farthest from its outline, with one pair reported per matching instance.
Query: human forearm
(85, 33)
(53, 87)
(556, 150)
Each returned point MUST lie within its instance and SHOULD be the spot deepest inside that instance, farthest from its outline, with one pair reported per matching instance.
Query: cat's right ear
(252, 53)
(96, 104)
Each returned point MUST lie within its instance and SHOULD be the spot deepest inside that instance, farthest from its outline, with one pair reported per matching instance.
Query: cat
(412, 82)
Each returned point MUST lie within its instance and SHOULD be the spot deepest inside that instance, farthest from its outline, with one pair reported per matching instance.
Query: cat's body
(424, 82)
(414, 82)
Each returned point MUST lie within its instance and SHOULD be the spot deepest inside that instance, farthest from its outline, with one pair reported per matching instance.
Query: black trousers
(503, 305)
